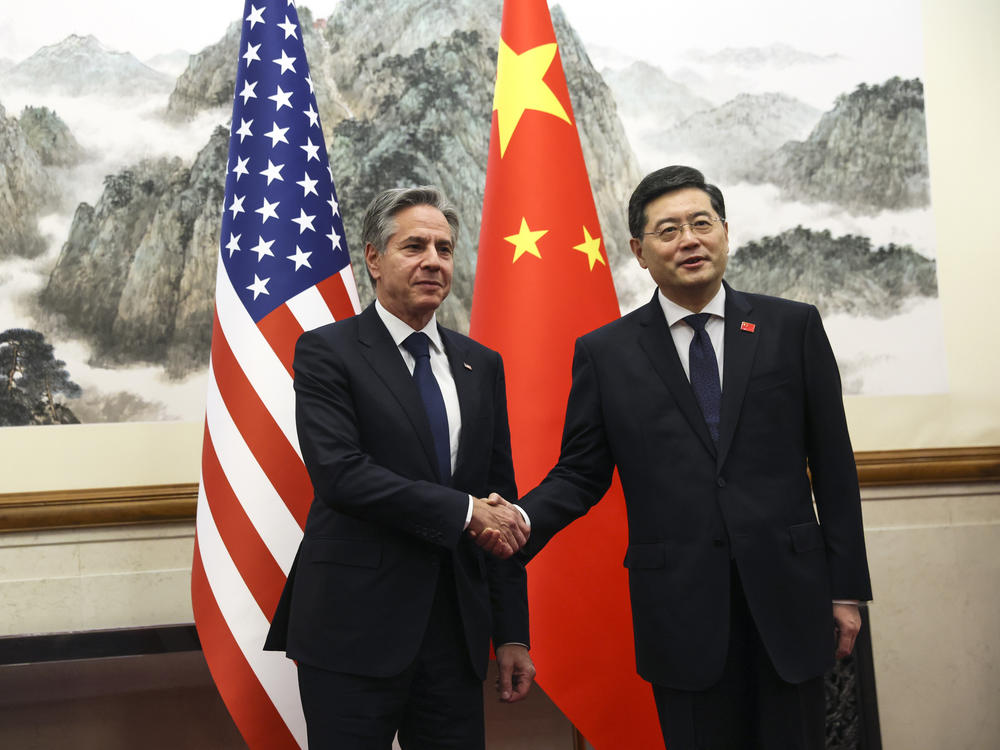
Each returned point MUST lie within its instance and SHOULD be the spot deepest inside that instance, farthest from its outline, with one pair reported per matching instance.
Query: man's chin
(429, 302)
(704, 276)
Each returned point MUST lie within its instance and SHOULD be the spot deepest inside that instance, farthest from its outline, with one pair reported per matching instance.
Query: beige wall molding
(31, 511)
(109, 506)
(928, 466)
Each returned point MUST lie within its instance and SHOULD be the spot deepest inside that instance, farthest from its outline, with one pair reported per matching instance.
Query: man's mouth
(693, 261)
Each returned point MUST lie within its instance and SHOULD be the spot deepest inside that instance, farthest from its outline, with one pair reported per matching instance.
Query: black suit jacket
(381, 530)
(692, 505)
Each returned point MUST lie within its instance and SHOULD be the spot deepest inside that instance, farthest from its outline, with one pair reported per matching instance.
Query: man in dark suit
(723, 425)
(391, 606)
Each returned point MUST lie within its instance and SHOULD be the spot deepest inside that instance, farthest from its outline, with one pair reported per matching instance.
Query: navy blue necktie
(418, 344)
(704, 369)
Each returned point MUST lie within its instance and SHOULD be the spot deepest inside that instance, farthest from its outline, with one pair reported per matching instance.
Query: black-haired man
(722, 412)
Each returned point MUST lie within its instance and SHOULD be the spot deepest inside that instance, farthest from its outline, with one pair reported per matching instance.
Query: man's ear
(373, 259)
(636, 246)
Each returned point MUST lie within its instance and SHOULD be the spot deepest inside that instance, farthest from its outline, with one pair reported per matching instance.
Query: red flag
(542, 280)
(283, 268)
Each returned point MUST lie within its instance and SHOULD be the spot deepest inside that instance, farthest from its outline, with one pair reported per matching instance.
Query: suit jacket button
(721, 482)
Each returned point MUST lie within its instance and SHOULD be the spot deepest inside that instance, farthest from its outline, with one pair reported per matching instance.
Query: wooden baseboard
(30, 511)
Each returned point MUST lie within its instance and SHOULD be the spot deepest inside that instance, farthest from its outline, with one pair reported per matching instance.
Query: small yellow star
(591, 247)
(520, 87)
(525, 241)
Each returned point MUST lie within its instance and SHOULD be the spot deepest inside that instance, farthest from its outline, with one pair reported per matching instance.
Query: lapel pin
(467, 366)
(748, 327)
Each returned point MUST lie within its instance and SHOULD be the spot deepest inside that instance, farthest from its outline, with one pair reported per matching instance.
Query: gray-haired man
(391, 606)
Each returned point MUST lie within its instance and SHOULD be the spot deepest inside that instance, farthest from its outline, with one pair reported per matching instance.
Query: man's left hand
(847, 625)
(517, 672)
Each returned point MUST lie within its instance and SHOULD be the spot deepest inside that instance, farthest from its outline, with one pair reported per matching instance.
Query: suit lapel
(466, 384)
(738, 356)
(656, 341)
(381, 352)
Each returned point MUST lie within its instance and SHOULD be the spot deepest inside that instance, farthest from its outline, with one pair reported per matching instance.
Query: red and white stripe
(253, 500)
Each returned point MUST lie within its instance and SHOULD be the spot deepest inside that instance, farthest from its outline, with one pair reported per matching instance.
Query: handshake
(497, 526)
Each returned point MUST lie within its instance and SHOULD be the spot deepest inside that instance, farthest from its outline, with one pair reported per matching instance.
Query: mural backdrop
(113, 148)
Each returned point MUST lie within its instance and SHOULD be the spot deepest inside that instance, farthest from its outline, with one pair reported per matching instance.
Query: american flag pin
(748, 327)
(467, 366)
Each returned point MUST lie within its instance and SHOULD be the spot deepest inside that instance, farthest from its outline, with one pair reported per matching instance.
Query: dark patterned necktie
(704, 369)
(418, 344)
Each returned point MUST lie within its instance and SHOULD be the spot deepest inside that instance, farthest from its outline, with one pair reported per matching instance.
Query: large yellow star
(591, 247)
(525, 241)
(520, 87)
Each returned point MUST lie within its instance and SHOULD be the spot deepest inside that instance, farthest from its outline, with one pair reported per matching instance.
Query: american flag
(284, 269)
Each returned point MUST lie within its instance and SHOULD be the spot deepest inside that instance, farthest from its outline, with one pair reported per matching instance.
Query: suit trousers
(750, 707)
(434, 704)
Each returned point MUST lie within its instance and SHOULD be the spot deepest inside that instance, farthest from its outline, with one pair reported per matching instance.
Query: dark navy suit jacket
(381, 530)
(693, 506)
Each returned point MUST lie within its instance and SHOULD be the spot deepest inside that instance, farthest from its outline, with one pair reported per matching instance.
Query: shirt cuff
(468, 514)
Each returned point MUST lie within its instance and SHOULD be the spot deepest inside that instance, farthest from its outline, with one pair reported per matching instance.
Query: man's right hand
(497, 526)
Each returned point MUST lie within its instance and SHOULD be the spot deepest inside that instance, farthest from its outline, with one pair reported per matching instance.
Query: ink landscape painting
(114, 138)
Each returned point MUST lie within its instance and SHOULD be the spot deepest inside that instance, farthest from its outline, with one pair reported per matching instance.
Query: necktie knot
(418, 344)
(698, 320)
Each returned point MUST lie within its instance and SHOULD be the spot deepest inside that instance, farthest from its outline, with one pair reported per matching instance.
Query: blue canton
(281, 227)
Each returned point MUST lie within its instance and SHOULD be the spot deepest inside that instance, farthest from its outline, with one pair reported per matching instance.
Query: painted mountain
(34, 146)
(111, 257)
(730, 141)
(650, 102)
(842, 274)
(869, 153)
(81, 65)
(777, 55)
(136, 275)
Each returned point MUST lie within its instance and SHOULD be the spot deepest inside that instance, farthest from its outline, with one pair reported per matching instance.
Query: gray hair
(379, 222)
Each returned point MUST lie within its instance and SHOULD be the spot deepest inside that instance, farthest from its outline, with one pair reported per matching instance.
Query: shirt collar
(674, 312)
(399, 330)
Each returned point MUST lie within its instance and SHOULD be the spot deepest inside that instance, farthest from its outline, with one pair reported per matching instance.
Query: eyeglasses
(670, 232)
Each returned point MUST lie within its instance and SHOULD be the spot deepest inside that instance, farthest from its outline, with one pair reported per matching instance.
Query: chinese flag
(542, 280)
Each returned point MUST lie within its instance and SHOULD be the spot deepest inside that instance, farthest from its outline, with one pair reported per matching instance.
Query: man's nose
(687, 235)
(429, 257)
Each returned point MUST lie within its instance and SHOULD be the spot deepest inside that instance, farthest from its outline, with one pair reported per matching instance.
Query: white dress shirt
(682, 333)
(400, 331)
(441, 369)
